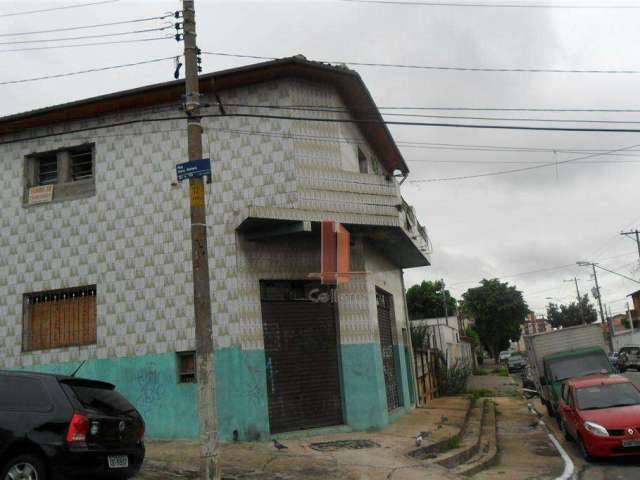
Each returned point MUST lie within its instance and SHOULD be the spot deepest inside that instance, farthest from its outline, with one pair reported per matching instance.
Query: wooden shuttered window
(60, 318)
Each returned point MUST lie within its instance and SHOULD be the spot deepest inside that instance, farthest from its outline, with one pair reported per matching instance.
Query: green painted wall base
(170, 408)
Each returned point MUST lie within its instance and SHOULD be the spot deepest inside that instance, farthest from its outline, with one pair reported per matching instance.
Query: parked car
(54, 426)
(558, 355)
(629, 357)
(602, 414)
(516, 362)
(504, 355)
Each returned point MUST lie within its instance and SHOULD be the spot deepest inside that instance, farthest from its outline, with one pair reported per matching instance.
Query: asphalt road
(605, 469)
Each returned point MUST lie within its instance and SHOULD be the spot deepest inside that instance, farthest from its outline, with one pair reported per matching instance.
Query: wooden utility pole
(200, 259)
(604, 319)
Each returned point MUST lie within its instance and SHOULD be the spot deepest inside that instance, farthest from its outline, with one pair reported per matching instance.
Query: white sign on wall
(40, 194)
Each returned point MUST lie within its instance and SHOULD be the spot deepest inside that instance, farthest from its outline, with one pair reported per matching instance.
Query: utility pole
(595, 278)
(575, 280)
(636, 233)
(200, 259)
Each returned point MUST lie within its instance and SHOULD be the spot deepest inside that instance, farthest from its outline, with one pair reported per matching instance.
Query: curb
(569, 469)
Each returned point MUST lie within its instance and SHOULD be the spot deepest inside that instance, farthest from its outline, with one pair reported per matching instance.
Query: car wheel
(565, 432)
(24, 467)
(583, 449)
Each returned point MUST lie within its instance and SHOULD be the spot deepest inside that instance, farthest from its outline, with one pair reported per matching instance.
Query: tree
(498, 310)
(572, 314)
(425, 300)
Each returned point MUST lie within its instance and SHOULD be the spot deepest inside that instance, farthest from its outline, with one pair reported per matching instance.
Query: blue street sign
(194, 169)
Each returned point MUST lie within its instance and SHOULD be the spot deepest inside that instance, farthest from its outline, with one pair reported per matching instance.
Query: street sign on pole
(194, 169)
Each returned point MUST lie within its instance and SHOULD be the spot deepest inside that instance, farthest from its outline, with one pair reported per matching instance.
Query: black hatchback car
(54, 426)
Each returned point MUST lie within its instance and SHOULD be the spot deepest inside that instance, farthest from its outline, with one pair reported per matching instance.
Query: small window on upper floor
(362, 162)
(59, 175)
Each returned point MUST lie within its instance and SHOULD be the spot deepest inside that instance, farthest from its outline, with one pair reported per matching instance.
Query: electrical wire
(439, 67)
(90, 70)
(419, 115)
(79, 5)
(497, 5)
(84, 37)
(83, 27)
(516, 170)
(112, 42)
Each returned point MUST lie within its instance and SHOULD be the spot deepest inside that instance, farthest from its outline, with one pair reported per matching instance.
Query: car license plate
(631, 443)
(118, 461)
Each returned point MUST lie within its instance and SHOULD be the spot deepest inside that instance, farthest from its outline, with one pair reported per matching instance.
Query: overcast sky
(485, 227)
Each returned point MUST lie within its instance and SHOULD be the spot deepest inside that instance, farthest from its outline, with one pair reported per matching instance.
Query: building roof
(347, 82)
(591, 380)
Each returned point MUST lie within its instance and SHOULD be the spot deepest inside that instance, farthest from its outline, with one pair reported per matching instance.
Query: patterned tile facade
(132, 238)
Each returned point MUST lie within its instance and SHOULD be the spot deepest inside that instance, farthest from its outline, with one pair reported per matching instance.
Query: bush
(419, 336)
(453, 381)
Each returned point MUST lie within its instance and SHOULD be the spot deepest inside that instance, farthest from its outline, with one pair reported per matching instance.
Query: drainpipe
(414, 380)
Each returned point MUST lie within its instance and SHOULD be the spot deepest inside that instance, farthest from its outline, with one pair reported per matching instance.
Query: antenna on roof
(79, 367)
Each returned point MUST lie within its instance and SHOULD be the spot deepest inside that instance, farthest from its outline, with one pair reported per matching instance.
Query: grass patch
(503, 372)
(453, 443)
(481, 393)
(482, 371)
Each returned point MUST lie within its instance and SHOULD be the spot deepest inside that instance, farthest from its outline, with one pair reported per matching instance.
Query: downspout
(414, 380)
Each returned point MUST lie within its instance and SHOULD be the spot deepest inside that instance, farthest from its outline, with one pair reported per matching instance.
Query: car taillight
(78, 428)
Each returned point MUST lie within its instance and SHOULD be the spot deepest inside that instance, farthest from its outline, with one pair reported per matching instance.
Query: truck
(565, 353)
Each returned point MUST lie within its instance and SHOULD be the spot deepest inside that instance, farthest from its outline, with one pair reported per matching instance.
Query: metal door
(386, 324)
(301, 349)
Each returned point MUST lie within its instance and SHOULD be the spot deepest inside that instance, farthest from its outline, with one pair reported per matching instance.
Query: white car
(504, 355)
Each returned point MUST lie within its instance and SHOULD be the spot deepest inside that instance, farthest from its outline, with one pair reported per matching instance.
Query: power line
(496, 5)
(83, 27)
(112, 42)
(419, 115)
(84, 37)
(440, 67)
(516, 170)
(29, 12)
(524, 109)
(91, 70)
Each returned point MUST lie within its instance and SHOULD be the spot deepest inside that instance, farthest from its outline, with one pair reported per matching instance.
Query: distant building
(443, 334)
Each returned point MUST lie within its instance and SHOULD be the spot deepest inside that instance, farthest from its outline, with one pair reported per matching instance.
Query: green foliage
(418, 336)
(473, 335)
(498, 310)
(453, 380)
(478, 393)
(572, 314)
(425, 301)
(503, 372)
(453, 443)
(625, 323)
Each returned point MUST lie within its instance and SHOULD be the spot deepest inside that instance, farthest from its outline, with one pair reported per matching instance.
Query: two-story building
(95, 250)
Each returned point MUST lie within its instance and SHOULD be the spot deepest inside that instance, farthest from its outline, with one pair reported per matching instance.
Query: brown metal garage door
(301, 349)
(386, 323)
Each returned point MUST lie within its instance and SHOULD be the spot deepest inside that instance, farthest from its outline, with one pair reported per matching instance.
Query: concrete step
(487, 451)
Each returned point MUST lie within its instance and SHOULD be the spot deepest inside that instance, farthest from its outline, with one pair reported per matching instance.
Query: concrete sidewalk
(379, 455)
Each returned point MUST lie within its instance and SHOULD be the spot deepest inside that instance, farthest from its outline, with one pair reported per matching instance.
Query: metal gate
(301, 349)
(386, 324)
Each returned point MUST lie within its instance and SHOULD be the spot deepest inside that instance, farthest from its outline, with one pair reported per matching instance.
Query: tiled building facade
(126, 234)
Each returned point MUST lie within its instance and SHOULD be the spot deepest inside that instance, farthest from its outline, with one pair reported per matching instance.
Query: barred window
(58, 175)
(59, 318)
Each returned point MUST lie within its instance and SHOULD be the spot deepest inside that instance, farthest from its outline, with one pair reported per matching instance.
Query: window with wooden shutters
(59, 318)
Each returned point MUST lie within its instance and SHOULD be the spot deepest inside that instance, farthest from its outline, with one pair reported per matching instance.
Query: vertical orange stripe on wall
(343, 255)
(328, 258)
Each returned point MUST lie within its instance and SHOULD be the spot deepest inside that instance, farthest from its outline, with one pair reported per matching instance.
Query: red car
(602, 414)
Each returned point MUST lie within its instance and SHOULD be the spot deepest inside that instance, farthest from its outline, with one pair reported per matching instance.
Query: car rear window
(23, 394)
(101, 398)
